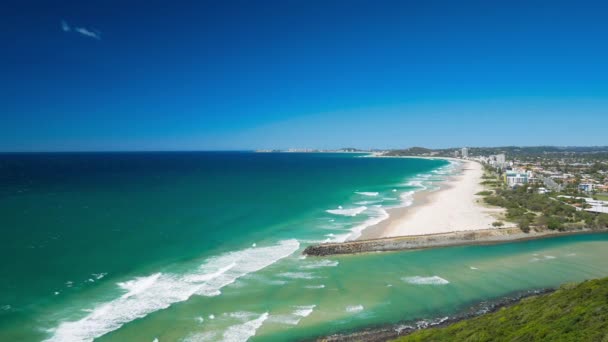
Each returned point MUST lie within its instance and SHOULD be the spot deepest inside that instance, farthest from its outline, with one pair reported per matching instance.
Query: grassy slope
(573, 313)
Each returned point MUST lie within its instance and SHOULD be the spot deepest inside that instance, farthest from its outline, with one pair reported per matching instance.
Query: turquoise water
(207, 247)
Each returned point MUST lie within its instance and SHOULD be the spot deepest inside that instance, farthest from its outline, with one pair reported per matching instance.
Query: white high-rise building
(500, 159)
(465, 152)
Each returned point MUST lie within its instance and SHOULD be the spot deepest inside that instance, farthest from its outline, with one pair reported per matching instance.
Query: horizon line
(284, 149)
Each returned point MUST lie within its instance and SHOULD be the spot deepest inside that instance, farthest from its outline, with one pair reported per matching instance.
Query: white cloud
(86, 32)
(64, 26)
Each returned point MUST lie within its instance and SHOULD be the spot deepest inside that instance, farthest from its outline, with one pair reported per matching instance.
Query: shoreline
(427, 214)
(385, 332)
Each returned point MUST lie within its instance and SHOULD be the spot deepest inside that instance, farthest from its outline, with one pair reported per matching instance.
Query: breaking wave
(347, 212)
(417, 280)
(242, 332)
(158, 291)
(364, 193)
(320, 263)
(295, 317)
(354, 308)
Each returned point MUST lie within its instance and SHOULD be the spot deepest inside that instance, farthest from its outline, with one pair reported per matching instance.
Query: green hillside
(573, 313)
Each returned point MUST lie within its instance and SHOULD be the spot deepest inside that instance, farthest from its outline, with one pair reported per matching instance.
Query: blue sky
(277, 74)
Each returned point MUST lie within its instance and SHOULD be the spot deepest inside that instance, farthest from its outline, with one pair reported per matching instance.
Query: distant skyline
(242, 75)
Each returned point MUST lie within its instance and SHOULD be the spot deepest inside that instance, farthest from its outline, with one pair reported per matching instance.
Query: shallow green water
(207, 247)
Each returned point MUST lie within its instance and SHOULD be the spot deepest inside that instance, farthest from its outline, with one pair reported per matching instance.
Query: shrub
(554, 223)
(524, 225)
(602, 221)
(498, 224)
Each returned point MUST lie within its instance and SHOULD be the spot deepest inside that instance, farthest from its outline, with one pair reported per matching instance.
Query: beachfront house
(586, 187)
(514, 178)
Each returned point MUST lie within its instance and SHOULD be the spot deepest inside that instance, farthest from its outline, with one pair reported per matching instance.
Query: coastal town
(567, 178)
(577, 176)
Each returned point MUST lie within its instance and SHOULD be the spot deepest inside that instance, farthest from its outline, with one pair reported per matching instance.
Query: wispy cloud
(64, 26)
(89, 33)
(95, 34)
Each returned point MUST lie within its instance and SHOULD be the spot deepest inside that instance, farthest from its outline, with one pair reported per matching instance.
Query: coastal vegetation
(572, 313)
(530, 209)
(539, 211)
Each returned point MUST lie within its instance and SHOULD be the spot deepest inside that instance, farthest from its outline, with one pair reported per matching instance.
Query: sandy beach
(454, 207)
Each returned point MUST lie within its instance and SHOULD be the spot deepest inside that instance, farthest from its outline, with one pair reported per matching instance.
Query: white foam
(315, 286)
(545, 257)
(275, 282)
(199, 319)
(207, 336)
(417, 280)
(473, 268)
(242, 332)
(158, 291)
(347, 212)
(367, 202)
(155, 339)
(241, 315)
(321, 263)
(416, 184)
(364, 193)
(354, 308)
(294, 318)
(211, 316)
(99, 276)
(304, 310)
(297, 275)
(138, 285)
(407, 198)
(378, 215)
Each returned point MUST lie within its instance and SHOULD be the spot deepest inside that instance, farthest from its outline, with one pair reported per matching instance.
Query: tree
(524, 225)
(602, 221)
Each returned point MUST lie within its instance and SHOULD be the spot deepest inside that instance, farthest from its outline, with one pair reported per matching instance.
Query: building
(465, 152)
(500, 159)
(586, 187)
(456, 154)
(514, 178)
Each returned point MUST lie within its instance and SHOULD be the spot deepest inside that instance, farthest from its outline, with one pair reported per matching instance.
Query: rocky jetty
(414, 242)
(474, 237)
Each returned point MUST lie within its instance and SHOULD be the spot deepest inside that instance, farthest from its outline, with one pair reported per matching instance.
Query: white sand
(453, 208)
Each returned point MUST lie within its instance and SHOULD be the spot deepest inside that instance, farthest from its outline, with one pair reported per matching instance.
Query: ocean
(206, 246)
